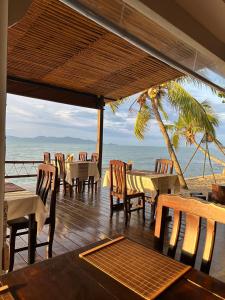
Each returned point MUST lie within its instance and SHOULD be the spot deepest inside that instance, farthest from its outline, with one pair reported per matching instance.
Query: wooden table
(81, 170)
(148, 182)
(69, 277)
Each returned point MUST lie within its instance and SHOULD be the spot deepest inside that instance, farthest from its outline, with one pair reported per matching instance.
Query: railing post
(99, 146)
(3, 76)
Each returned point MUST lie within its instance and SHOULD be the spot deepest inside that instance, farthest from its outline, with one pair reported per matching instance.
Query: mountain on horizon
(50, 139)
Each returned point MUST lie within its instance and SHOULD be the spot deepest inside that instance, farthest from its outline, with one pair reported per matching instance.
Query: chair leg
(126, 209)
(51, 238)
(58, 185)
(111, 206)
(64, 187)
(12, 248)
(143, 204)
(96, 186)
(71, 190)
(32, 239)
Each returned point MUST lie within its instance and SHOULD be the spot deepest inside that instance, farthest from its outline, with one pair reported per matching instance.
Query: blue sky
(32, 117)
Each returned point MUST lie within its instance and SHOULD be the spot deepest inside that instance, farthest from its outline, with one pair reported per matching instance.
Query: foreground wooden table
(69, 277)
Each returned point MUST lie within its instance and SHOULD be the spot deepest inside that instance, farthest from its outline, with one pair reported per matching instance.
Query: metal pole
(3, 76)
(116, 29)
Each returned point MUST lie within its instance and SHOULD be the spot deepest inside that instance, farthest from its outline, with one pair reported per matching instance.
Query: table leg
(32, 236)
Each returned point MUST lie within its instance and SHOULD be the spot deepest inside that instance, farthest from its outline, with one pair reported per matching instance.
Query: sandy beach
(204, 184)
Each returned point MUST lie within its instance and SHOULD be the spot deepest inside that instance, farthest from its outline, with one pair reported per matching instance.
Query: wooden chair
(118, 189)
(60, 164)
(82, 156)
(164, 166)
(194, 210)
(94, 157)
(46, 189)
(217, 194)
(47, 158)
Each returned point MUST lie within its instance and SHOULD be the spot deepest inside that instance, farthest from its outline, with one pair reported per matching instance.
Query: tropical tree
(150, 106)
(187, 128)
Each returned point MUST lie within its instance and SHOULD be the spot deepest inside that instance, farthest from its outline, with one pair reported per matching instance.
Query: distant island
(50, 139)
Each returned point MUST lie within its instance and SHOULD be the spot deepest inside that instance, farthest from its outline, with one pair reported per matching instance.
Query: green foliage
(142, 119)
(191, 109)
(194, 117)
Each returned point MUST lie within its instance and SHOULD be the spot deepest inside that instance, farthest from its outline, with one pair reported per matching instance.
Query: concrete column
(99, 146)
(3, 77)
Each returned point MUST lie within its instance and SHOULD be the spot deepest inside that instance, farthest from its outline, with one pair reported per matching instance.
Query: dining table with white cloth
(82, 170)
(148, 182)
(24, 203)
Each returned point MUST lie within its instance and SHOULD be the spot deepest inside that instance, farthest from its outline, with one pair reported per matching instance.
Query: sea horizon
(142, 157)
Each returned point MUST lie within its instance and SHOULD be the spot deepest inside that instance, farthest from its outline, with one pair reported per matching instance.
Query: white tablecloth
(82, 170)
(148, 182)
(23, 203)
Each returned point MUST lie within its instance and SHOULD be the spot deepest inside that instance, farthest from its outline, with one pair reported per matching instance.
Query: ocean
(142, 157)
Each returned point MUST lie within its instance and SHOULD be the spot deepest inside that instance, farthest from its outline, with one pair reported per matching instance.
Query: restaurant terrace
(88, 54)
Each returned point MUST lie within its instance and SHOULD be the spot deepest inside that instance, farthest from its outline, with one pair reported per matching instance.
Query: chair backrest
(194, 210)
(47, 158)
(95, 157)
(47, 183)
(164, 166)
(83, 156)
(118, 177)
(60, 164)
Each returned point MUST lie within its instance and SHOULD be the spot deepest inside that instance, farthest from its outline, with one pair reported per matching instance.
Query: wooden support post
(3, 76)
(99, 146)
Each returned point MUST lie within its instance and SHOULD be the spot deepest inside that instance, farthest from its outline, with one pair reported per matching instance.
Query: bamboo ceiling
(53, 45)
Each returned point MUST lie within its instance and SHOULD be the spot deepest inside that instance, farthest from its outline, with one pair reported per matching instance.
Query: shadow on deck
(85, 218)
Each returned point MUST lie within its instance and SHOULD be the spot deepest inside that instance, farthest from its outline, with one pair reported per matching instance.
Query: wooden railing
(21, 168)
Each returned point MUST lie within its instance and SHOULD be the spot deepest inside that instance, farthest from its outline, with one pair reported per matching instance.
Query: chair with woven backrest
(164, 166)
(60, 164)
(46, 189)
(194, 210)
(47, 158)
(118, 189)
(82, 156)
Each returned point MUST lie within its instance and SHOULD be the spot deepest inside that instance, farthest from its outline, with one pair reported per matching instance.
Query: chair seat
(133, 194)
(130, 194)
(23, 222)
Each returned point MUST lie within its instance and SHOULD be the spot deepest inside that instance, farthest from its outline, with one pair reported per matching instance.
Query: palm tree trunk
(217, 160)
(168, 144)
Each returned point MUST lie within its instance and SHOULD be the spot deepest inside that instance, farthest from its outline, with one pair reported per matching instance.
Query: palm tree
(150, 103)
(188, 129)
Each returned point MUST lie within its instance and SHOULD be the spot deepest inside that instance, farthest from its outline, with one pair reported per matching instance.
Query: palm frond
(114, 105)
(170, 127)
(175, 140)
(162, 110)
(196, 82)
(141, 122)
(190, 108)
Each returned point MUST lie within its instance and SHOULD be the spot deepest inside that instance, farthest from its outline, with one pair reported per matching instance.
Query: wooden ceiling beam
(41, 91)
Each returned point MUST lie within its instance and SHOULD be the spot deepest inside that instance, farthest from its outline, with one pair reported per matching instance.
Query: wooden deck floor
(84, 219)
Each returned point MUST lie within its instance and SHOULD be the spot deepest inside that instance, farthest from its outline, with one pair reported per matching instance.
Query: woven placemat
(140, 269)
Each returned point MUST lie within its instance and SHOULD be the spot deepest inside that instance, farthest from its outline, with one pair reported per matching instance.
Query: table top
(148, 173)
(70, 277)
(11, 187)
(21, 203)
